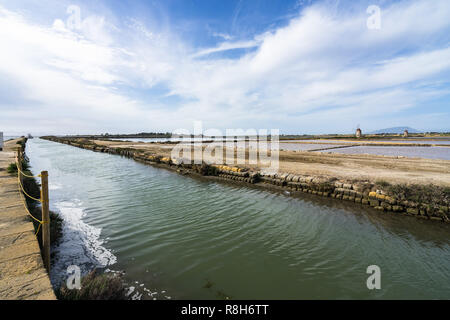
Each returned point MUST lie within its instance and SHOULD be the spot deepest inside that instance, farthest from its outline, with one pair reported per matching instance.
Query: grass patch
(426, 194)
(96, 286)
(21, 143)
(56, 221)
(383, 183)
(12, 169)
(207, 170)
(33, 188)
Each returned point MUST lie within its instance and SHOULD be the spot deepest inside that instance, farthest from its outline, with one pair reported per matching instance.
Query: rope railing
(25, 175)
(24, 192)
(45, 222)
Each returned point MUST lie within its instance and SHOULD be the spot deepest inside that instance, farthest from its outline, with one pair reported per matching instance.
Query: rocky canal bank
(424, 201)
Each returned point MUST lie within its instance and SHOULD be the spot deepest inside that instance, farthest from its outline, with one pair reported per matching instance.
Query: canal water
(177, 237)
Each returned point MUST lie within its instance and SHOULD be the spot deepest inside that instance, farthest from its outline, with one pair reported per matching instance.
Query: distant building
(405, 134)
(358, 133)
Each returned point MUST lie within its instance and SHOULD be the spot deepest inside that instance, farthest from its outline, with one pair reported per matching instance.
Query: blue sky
(298, 66)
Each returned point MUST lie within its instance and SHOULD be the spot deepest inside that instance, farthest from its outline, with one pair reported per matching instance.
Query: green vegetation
(432, 195)
(32, 187)
(12, 169)
(96, 286)
(383, 183)
(206, 170)
(21, 143)
(56, 223)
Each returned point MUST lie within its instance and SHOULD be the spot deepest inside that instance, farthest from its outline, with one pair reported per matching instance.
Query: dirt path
(22, 273)
(342, 166)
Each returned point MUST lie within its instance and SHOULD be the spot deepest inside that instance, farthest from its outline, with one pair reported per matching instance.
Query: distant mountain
(394, 130)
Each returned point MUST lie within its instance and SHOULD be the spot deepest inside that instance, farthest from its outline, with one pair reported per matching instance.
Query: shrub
(12, 169)
(383, 183)
(426, 194)
(96, 286)
(55, 227)
(207, 170)
(32, 187)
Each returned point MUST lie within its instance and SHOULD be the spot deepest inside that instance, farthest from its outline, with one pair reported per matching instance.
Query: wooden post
(19, 165)
(45, 220)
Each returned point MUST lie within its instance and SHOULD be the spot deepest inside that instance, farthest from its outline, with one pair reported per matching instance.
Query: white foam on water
(80, 245)
(54, 186)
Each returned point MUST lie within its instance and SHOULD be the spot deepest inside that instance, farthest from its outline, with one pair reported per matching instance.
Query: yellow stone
(373, 194)
(381, 197)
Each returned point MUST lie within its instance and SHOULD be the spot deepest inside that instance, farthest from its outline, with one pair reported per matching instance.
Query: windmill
(358, 132)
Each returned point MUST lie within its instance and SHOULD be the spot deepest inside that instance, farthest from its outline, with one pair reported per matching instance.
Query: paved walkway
(22, 273)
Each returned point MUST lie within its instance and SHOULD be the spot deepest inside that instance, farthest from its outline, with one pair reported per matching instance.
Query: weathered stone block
(381, 197)
(386, 206)
(391, 200)
(284, 176)
(374, 203)
(339, 190)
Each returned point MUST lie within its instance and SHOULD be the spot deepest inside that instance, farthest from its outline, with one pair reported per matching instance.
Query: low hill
(395, 130)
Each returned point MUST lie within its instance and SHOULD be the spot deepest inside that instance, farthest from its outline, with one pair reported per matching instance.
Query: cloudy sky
(69, 67)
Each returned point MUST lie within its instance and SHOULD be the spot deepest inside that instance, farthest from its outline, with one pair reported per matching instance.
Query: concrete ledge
(22, 272)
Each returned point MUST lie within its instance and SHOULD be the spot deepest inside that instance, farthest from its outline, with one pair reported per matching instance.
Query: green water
(185, 238)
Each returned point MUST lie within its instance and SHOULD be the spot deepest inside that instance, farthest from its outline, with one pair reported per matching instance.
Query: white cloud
(323, 70)
(222, 35)
(226, 46)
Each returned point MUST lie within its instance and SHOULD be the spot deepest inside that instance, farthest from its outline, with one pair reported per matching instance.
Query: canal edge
(22, 272)
(315, 185)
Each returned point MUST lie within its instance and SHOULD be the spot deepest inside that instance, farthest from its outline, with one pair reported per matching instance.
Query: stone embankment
(403, 200)
(22, 272)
